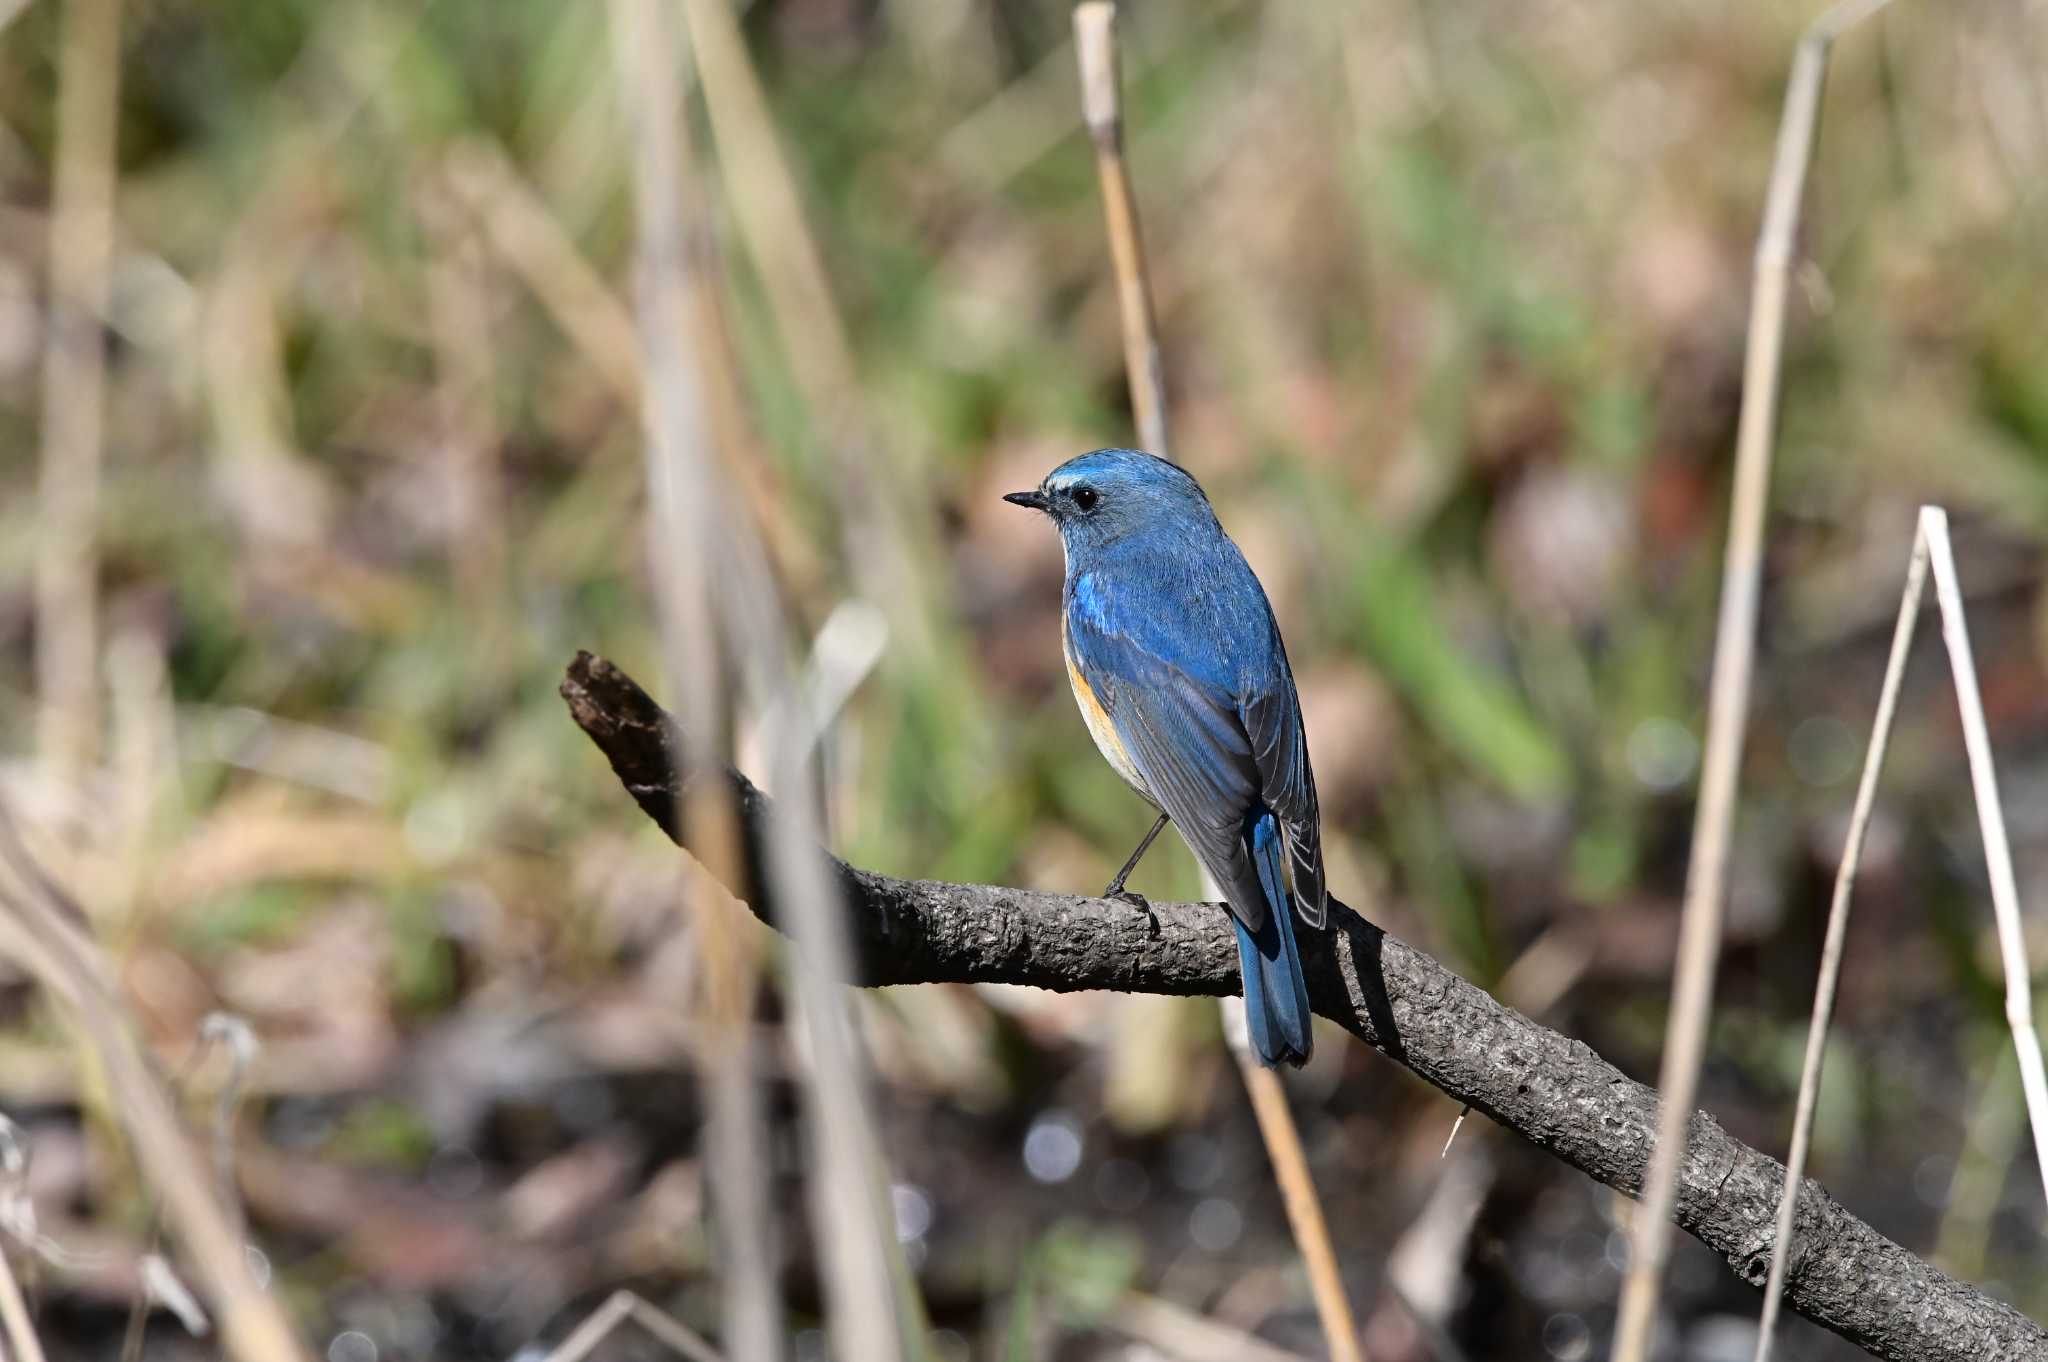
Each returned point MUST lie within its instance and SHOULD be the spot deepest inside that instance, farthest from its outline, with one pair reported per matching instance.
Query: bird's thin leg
(1116, 888)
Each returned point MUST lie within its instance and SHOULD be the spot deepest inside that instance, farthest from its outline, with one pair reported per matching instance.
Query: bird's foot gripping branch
(1551, 1090)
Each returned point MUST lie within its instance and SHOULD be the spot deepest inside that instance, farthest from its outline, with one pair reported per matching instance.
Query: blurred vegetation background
(1452, 300)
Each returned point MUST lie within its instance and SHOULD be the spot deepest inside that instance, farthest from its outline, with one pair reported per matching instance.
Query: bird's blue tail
(1275, 995)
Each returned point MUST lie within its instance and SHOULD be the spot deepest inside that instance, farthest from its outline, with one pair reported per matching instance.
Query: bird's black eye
(1085, 499)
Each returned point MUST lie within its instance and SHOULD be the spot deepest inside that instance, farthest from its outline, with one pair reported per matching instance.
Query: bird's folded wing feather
(1187, 739)
(1272, 719)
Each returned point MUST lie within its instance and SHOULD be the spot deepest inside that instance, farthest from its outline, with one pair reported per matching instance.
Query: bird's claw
(1138, 901)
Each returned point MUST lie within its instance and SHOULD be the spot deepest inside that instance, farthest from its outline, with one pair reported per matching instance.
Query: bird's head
(1109, 494)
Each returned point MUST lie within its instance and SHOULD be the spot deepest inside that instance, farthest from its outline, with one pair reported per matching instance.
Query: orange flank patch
(1100, 728)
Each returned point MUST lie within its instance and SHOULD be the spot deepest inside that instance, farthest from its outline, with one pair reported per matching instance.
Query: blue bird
(1179, 671)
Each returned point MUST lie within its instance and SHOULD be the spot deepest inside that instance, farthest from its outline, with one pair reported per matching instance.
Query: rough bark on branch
(1551, 1090)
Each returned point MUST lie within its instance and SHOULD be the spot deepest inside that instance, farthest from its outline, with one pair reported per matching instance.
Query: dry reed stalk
(1101, 97)
(1699, 943)
(74, 383)
(1930, 545)
(1304, 1209)
(1101, 107)
(684, 508)
(850, 1210)
(43, 930)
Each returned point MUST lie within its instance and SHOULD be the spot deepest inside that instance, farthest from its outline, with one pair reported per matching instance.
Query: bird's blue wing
(1272, 720)
(1186, 737)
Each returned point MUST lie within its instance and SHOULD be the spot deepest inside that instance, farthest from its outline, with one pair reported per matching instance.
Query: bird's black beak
(1035, 500)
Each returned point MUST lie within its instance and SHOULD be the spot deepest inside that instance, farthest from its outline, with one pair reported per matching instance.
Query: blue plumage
(1179, 670)
(1275, 995)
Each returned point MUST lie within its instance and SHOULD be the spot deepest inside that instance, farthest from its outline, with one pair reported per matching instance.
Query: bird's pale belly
(1101, 729)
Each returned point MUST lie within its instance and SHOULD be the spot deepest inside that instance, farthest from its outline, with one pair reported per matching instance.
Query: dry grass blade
(1930, 545)
(1101, 105)
(1837, 933)
(1101, 101)
(2005, 899)
(622, 1306)
(1728, 697)
(42, 929)
(684, 503)
(74, 381)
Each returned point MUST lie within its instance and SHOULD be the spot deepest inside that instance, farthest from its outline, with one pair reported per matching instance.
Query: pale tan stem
(685, 504)
(1304, 1209)
(1837, 934)
(1101, 106)
(1699, 944)
(74, 383)
(2005, 898)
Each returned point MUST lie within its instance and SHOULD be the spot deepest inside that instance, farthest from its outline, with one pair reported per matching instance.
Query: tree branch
(1553, 1091)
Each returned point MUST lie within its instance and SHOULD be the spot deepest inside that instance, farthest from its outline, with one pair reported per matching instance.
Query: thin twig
(74, 382)
(1102, 108)
(617, 1309)
(1456, 1126)
(1101, 105)
(1837, 933)
(1699, 944)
